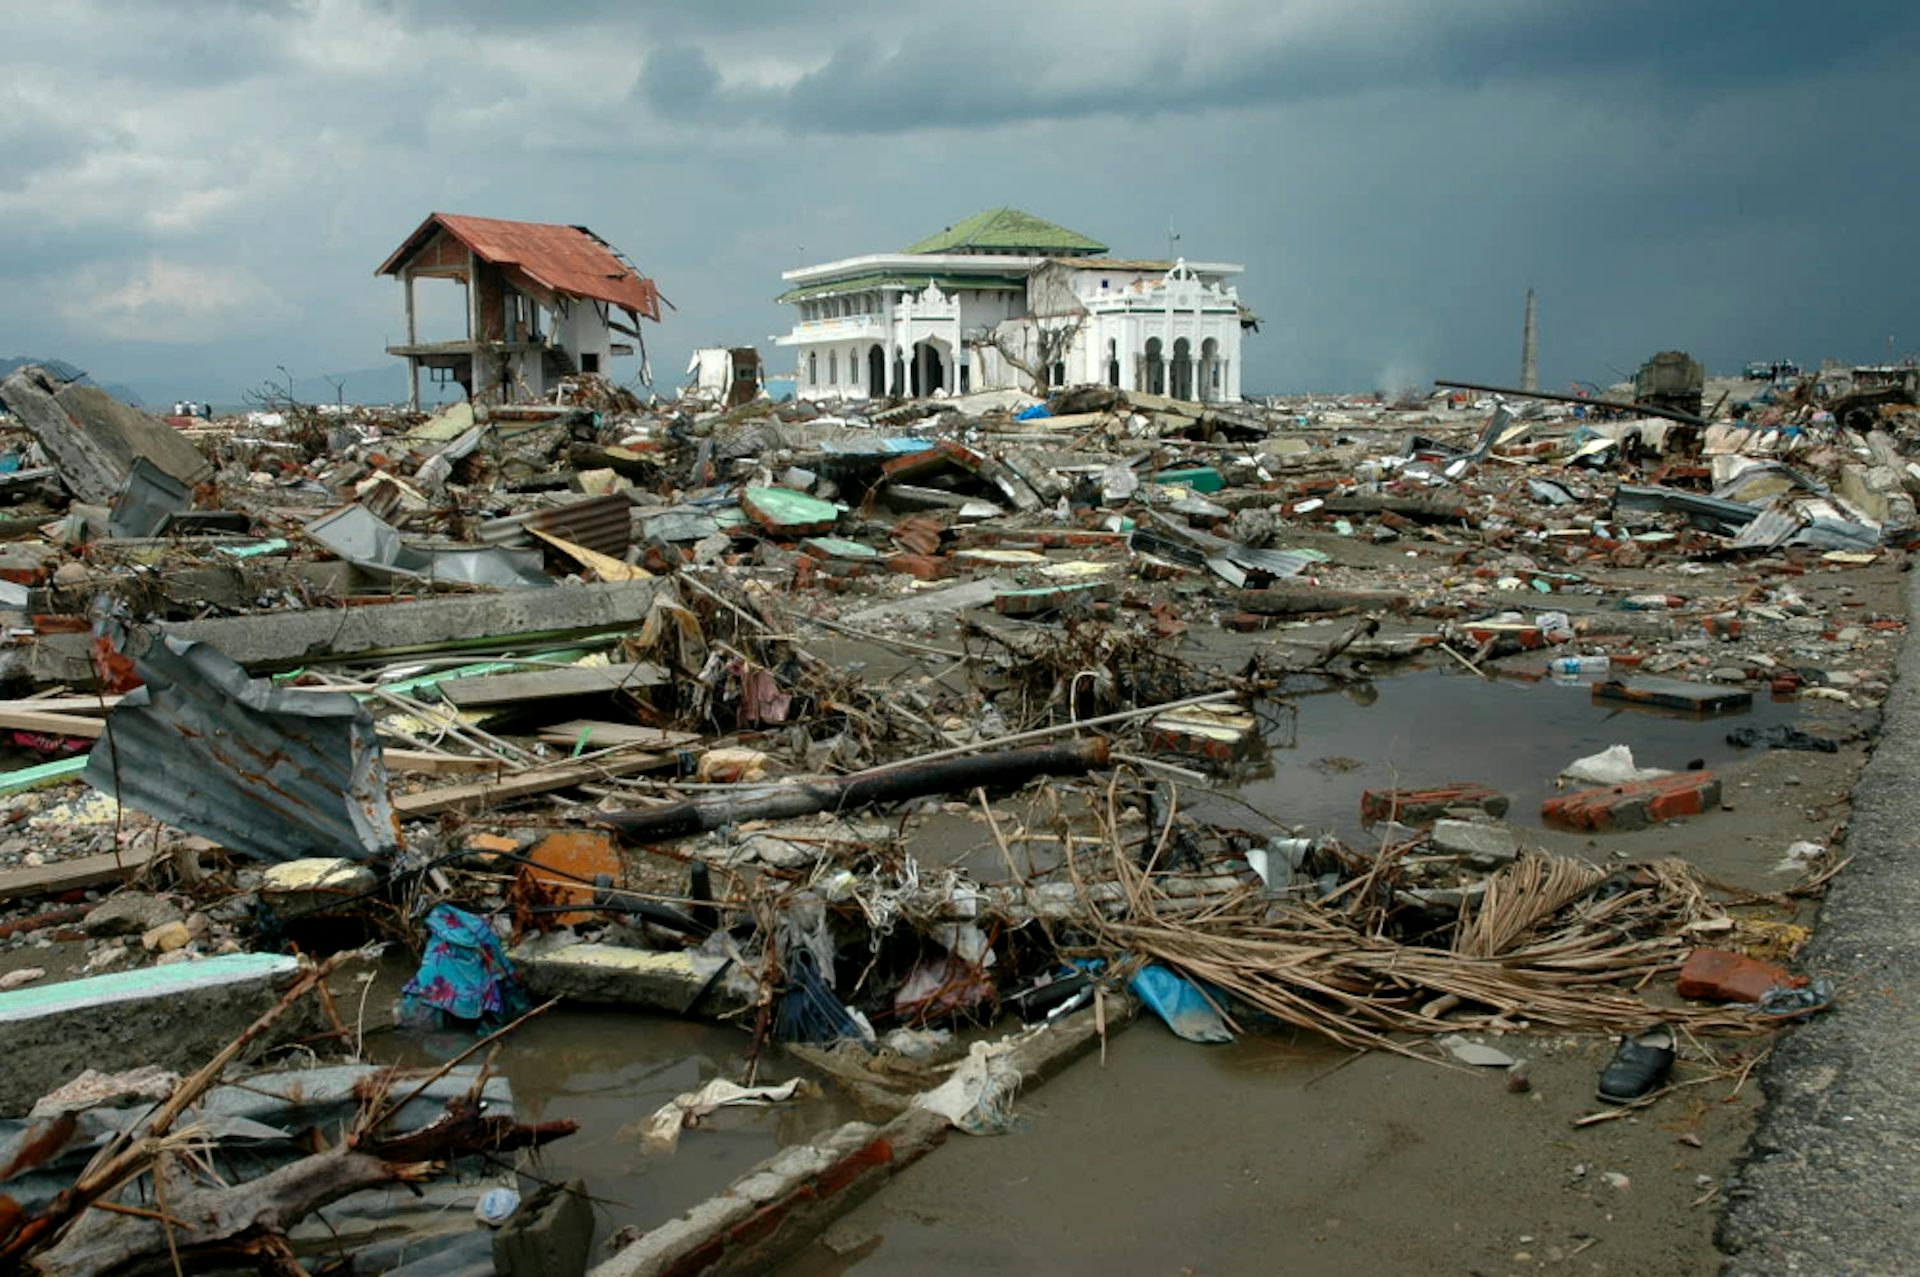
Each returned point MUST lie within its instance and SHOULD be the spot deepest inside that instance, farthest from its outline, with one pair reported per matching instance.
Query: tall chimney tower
(1530, 351)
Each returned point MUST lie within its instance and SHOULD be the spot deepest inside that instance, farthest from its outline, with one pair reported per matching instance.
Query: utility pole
(1530, 350)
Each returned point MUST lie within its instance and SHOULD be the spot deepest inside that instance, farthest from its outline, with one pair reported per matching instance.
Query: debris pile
(862, 724)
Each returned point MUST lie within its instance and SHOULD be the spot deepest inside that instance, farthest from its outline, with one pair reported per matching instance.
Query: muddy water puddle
(608, 1071)
(1433, 727)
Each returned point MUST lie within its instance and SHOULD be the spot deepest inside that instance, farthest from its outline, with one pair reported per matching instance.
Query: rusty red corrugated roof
(570, 260)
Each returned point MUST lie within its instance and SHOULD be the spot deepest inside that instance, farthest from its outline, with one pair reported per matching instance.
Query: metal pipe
(1646, 409)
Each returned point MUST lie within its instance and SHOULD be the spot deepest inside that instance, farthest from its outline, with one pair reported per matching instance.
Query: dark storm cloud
(677, 79)
(950, 68)
(1394, 173)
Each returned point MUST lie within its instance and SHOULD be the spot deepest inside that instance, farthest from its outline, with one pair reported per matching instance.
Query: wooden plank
(26, 720)
(405, 760)
(72, 875)
(535, 780)
(497, 690)
(607, 735)
(434, 764)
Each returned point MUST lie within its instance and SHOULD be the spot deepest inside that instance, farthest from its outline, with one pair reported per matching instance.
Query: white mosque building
(1006, 299)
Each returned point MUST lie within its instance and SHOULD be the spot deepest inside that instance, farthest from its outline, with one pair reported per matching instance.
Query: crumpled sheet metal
(267, 773)
(150, 498)
(255, 1126)
(372, 544)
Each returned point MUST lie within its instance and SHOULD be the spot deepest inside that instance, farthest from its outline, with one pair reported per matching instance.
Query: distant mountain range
(68, 372)
(386, 384)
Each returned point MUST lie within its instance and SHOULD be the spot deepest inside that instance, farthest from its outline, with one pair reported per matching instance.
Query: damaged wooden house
(543, 303)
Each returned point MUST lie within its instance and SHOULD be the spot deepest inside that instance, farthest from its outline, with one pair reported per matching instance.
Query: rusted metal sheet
(262, 771)
(568, 260)
(599, 523)
(564, 869)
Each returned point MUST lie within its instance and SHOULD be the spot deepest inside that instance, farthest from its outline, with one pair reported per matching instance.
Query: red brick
(1719, 976)
(842, 1174)
(1417, 805)
(1527, 638)
(761, 1224)
(925, 567)
(702, 1259)
(1636, 805)
(919, 534)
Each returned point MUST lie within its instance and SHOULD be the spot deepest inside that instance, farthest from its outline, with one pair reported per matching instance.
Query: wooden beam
(73, 875)
(535, 780)
(497, 690)
(606, 735)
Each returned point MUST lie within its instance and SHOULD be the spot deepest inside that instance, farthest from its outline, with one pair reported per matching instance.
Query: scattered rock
(130, 914)
(166, 937)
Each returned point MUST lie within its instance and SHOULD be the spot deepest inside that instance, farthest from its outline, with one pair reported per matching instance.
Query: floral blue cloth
(464, 974)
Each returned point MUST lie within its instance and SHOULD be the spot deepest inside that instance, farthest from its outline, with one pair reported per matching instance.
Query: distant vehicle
(1771, 370)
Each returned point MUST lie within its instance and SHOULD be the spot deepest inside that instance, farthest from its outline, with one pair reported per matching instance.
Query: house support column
(413, 365)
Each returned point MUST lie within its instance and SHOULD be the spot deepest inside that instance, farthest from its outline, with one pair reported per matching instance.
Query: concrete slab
(282, 640)
(175, 1016)
(662, 980)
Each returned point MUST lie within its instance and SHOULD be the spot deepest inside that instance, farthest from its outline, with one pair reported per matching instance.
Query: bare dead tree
(1041, 343)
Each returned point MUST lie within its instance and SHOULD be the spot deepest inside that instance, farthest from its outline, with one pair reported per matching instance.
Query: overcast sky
(195, 191)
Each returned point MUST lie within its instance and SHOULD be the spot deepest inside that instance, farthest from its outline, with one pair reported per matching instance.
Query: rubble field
(648, 829)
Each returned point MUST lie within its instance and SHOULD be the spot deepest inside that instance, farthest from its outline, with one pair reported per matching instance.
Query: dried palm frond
(1539, 949)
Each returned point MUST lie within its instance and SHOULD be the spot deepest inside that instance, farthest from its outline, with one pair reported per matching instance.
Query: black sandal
(1638, 1067)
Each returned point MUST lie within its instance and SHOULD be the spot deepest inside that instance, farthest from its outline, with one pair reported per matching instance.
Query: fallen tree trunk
(892, 784)
(1421, 509)
(1365, 628)
(1297, 600)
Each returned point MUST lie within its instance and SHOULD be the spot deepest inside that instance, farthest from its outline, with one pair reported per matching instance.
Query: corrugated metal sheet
(1768, 529)
(570, 260)
(599, 523)
(1700, 508)
(267, 773)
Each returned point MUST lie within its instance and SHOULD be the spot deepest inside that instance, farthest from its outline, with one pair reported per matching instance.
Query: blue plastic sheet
(1032, 414)
(1179, 1002)
(464, 974)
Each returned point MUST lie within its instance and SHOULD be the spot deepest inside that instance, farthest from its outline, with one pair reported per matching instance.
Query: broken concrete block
(1636, 805)
(1216, 733)
(664, 981)
(173, 1016)
(787, 513)
(93, 438)
(549, 1236)
(314, 883)
(282, 639)
(1483, 844)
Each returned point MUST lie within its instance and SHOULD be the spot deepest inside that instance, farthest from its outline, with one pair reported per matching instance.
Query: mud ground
(1274, 1155)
